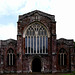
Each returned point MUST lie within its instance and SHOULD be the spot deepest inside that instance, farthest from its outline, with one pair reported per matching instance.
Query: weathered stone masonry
(51, 62)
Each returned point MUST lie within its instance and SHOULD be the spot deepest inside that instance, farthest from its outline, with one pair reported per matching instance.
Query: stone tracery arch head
(62, 50)
(36, 26)
(10, 50)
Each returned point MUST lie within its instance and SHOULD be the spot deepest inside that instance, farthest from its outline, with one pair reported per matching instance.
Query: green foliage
(73, 73)
(66, 74)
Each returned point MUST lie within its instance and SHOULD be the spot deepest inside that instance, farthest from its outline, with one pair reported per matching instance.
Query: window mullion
(12, 59)
(42, 44)
(36, 43)
(33, 44)
(39, 44)
(63, 59)
(30, 44)
(9, 58)
(45, 44)
(27, 44)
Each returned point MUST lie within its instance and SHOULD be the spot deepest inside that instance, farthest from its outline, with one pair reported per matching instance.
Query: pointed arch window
(36, 40)
(62, 57)
(10, 57)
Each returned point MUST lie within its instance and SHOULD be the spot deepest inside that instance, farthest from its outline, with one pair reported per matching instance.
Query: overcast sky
(64, 11)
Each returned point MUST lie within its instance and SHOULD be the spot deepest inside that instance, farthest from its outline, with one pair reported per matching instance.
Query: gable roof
(52, 17)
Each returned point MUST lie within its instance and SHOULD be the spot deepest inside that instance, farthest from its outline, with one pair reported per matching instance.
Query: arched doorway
(36, 65)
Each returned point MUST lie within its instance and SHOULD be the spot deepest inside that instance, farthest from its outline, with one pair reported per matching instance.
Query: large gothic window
(10, 57)
(36, 40)
(62, 57)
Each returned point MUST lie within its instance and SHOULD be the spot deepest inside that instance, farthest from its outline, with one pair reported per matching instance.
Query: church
(36, 48)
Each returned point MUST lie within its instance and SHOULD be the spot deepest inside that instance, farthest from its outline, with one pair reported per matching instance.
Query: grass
(73, 73)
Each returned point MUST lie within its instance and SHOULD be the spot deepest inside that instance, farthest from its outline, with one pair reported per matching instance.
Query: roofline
(33, 12)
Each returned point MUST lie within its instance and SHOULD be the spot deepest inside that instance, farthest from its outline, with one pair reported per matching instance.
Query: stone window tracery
(10, 57)
(62, 57)
(36, 40)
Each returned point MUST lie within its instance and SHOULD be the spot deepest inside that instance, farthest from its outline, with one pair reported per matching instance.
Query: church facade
(36, 48)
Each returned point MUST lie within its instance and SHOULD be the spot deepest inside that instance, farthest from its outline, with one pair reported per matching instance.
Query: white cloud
(62, 9)
(8, 31)
(10, 6)
(43, 5)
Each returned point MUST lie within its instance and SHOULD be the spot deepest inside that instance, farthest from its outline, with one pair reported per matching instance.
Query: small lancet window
(10, 57)
(62, 57)
(2, 58)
